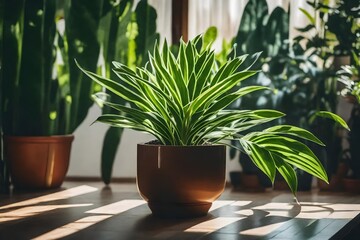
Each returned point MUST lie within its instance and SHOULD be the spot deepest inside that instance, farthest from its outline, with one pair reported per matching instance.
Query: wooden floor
(88, 210)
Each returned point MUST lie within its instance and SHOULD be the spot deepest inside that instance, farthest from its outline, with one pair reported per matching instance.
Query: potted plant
(40, 110)
(350, 76)
(343, 23)
(266, 32)
(181, 100)
(126, 33)
(311, 85)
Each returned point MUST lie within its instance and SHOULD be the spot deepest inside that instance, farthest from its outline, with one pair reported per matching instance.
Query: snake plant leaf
(147, 35)
(127, 37)
(254, 14)
(275, 31)
(112, 138)
(82, 45)
(28, 27)
(112, 36)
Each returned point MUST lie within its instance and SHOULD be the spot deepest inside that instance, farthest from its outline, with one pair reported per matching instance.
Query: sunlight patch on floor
(34, 210)
(73, 227)
(263, 230)
(219, 204)
(241, 203)
(72, 192)
(108, 211)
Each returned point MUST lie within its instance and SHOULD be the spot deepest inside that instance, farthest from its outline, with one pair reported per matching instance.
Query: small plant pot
(336, 180)
(251, 183)
(180, 181)
(351, 185)
(235, 179)
(37, 162)
(335, 184)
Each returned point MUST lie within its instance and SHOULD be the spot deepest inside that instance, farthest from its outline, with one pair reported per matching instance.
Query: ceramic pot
(180, 181)
(37, 162)
(351, 185)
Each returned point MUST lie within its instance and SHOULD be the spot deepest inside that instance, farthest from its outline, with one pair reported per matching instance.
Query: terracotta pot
(340, 61)
(336, 180)
(180, 181)
(251, 183)
(351, 185)
(37, 162)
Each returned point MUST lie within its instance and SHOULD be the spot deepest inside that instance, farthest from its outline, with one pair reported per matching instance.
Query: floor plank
(90, 210)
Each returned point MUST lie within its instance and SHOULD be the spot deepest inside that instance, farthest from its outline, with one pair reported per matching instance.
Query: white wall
(86, 149)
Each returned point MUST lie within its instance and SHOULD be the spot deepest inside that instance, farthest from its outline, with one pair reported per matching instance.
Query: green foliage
(343, 22)
(126, 37)
(72, 94)
(334, 28)
(261, 31)
(349, 76)
(27, 70)
(181, 100)
(36, 101)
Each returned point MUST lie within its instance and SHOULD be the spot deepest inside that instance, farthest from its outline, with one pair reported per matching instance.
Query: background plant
(51, 106)
(322, 46)
(39, 95)
(268, 33)
(181, 100)
(350, 76)
(343, 22)
(126, 36)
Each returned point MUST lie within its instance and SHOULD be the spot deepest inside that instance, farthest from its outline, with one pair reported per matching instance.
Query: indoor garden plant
(41, 109)
(329, 38)
(126, 33)
(181, 100)
(268, 33)
(350, 76)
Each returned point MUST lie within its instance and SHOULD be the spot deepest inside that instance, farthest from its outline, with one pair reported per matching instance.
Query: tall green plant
(29, 31)
(266, 32)
(82, 23)
(34, 103)
(181, 100)
(127, 36)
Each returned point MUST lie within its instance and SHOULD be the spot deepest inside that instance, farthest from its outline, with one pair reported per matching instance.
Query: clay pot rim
(149, 144)
(351, 180)
(40, 139)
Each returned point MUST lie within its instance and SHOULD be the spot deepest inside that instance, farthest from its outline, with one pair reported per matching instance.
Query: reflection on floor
(94, 212)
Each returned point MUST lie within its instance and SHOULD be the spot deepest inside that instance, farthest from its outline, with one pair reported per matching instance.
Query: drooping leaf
(295, 131)
(332, 116)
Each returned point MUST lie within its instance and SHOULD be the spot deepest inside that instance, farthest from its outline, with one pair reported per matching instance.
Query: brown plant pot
(336, 180)
(180, 181)
(351, 185)
(37, 162)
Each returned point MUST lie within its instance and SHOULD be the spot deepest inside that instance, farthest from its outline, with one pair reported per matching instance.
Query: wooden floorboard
(90, 210)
